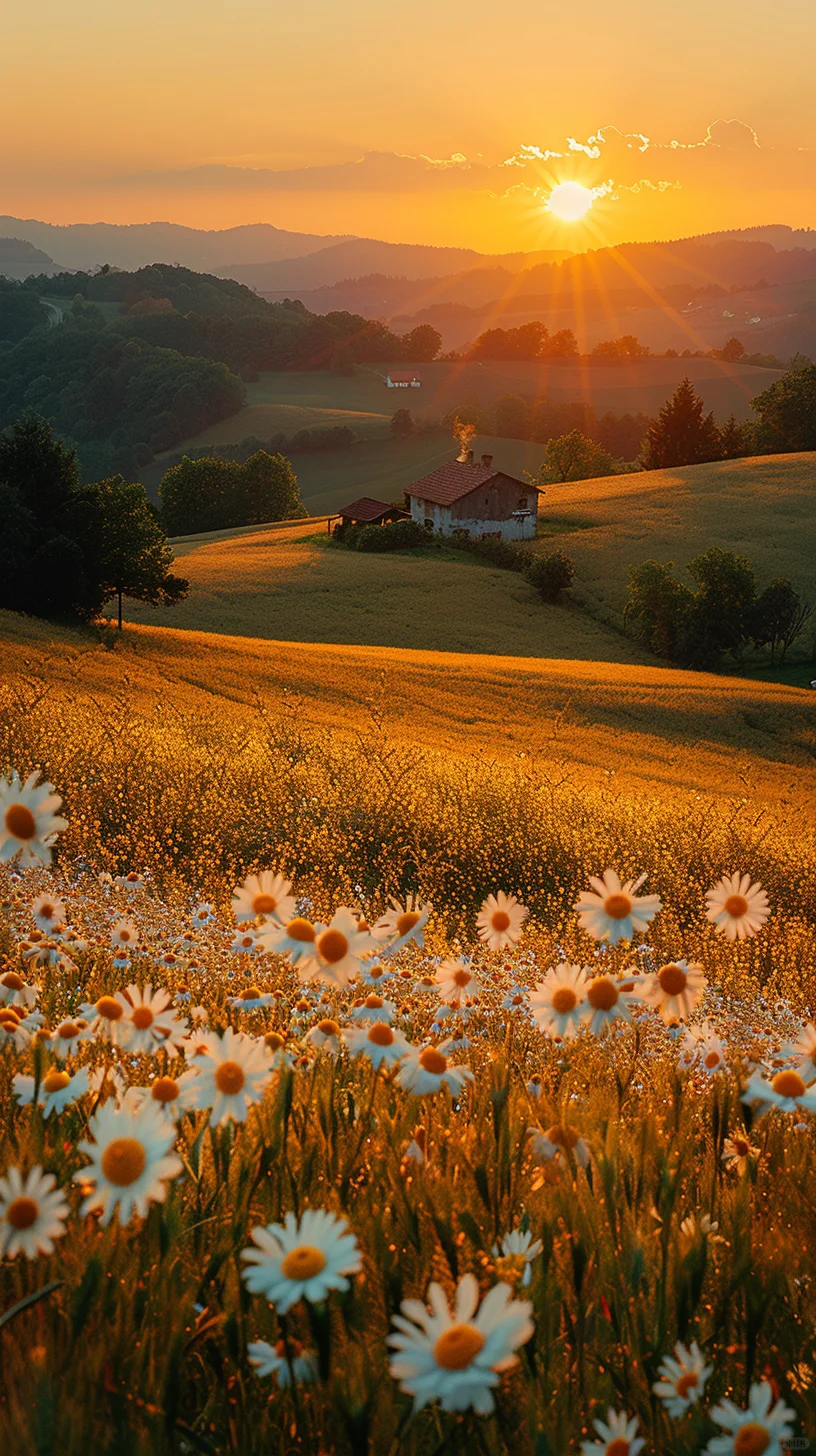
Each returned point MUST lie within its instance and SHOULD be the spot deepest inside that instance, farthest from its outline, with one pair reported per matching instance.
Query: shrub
(398, 536)
(551, 575)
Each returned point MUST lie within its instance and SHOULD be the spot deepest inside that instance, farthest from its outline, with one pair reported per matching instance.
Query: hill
(762, 507)
(675, 736)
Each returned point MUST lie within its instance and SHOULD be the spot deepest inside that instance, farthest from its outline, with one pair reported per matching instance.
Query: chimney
(470, 457)
(487, 461)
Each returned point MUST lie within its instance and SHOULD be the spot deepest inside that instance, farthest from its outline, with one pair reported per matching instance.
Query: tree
(39, 467)
(511, 416)
(723, 604)
(127, 549)
(402, 424)
(733, 439)
(682, 434)
(779, 616)
(626, 347)
(787, 410)
(574, 457)
(421, 345)
(659, 607)
(732, 350)
(212, 494)
(551, 575)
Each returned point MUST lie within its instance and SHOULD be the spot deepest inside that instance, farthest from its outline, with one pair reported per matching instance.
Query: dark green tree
(722, 611)
(682, 434)
(127, 552)
(551, 575)
(787, 410)
(734, 439)
(659, 608)
(511, 416)
(574, 457)
(778, 617)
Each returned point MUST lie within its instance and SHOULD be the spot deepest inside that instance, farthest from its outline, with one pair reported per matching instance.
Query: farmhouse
(477, 499)
(403, 379)
(369, 512)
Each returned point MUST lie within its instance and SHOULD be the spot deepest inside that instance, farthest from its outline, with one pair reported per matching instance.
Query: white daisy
(674, 990)
(325, 1034)
(519, 1249)
(804, 1050)
(245, 942)
(29, 823)
(267, 894)
(618, 1436)
(500, 920)
(131, 1160)
(32, 1213)
(296, 940)
(69, 1035)
(133, 882)
(682, 1379)
(173, 1095)
(379, 1042)
(615, 912)
(424, 1070)
(786, 1091)
(606, 1001)
(737, 907)
(760, 1430)
(458, 1358)
(557, 1002)
(14, 991)
(557, 1143)
(711, 1055)
(124, 935)
(402, 924)
(737, 1151)
(48, 912)
(56, 1091)
(340, 946)
(149, 1021)
(233, 1072)
(302, 1258)
(456, 979)
(373, 1008)
(105, 1016)
(18, 1029)
(251, 998)
(272, 1360)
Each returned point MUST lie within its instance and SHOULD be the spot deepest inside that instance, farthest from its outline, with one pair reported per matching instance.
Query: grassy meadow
(190, 759)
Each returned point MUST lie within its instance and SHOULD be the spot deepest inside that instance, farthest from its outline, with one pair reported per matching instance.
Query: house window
(429, 522)
(522, 502)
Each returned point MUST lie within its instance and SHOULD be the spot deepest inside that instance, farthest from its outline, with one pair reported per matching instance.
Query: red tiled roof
(455, 479)
(366, 509)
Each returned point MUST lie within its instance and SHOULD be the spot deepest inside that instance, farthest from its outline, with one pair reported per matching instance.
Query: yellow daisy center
(22, 1213)
(458, 1346)
(500, 920)
(328, 1027)
(264, 904)
(736, 906)
(229, 1078)
(124, 1161)
(562, 1136)
(741, 1147)
(20, 821)
(564, 999)
(673, 979)
(251, 993)
(333, 946)
(407, 921)
(380, 1034)
(12, 981)
(433, 1061)
(68, 1030)
(711, 1059)
(109, 1008)
(602, 993)
(46, 911)
(302, 1263)
(688, 1381)
(56, 1082)
(165, 1089)
(788, 1084)
(373, 1002)
(462, 977)
(300, 929)
(142, 1018)
(274, 1040)
(751, 1440)
(617, 907)
(619, 1447)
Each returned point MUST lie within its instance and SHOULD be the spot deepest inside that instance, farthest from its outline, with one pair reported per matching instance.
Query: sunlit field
(613, 1171)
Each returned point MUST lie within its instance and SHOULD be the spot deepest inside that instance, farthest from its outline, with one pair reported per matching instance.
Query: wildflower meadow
(437, 1116)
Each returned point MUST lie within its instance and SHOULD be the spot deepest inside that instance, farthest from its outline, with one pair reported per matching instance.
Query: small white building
(476, 499)
(403, 379)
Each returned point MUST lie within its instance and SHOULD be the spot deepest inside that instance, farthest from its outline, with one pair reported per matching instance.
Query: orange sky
(191, 112)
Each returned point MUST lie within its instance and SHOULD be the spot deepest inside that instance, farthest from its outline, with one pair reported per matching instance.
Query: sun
(570, 201)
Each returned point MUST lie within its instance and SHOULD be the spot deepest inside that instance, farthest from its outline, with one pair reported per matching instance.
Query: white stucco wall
(518, 529)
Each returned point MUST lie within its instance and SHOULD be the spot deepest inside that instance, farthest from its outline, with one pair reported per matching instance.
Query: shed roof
(455, 479)
(366, 509)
